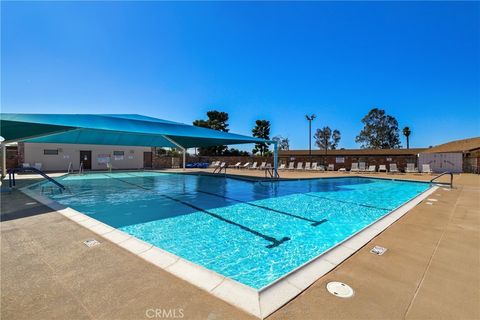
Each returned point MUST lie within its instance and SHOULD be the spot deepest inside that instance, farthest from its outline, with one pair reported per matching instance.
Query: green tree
(406, 132)
(380, 131)
(283, 143)
(262, 131)
(217, 120)
(326, 139)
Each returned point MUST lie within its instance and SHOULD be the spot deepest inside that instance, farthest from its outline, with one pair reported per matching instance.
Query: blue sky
(258, 60)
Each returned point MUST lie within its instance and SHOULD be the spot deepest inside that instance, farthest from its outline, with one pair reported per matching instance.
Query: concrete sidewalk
(430, 270)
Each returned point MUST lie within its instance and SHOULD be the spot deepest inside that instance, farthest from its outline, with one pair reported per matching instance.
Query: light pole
(310, 119)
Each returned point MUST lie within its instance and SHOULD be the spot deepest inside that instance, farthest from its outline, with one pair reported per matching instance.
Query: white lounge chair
(262, 166)
(38, 165)
(253, 166)
(331, 167)
(354, 167)
(393, 168)
(362, 167)
(214, 164)
(426, 168)
(372, 169)
(26, 165)
(237, 165)
(281, 167)
(246, 165)
(307, 166)
(382, 168)
(291, 166)
(314, 166)
(321, 168)
(299, 166)
(411, 168)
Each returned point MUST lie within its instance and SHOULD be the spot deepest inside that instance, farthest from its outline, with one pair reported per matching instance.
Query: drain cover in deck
(340, 289)
(378, 250)
(91, 243)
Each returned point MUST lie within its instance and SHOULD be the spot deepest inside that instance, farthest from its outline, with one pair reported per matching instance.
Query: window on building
(50, 152)
(118, 153)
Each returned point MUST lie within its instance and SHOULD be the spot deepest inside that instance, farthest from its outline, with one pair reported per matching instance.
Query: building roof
(464, 145)
(354, 152)
(107, 129)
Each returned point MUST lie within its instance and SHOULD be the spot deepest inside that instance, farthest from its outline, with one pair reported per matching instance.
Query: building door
(86, 159)
(147, 159)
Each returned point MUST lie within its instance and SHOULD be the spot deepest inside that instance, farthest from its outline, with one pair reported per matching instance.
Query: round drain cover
(340, 289)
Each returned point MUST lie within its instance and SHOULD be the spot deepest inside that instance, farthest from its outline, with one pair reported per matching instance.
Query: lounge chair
(281, 167)
(393, 168)
(382, 168)
(237, 165)
(291, 166)
(38, 165)
(299, 166)
(354, 167)
(314, 166)
(262, 166)
(307, 166)
(411, 168)
(245, 166)
(372, 169)
(426, 168)
(321, 168)
(214, 164)
(331, 167)
(26, 165)
(253, 166)
(362, 167)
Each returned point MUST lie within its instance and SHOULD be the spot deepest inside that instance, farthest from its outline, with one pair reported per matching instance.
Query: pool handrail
(11, 176)
(442, 174)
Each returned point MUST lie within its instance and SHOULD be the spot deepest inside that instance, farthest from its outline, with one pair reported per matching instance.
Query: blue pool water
(253, 232)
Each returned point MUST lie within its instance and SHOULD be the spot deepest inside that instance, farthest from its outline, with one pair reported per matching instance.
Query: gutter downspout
(184, 150)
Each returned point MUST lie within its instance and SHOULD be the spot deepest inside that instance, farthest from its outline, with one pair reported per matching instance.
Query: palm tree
(406, 132)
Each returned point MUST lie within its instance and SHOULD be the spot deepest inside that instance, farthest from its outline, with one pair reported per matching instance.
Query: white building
(57, 157)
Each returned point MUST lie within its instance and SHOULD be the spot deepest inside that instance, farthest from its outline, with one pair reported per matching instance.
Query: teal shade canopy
(112, 129)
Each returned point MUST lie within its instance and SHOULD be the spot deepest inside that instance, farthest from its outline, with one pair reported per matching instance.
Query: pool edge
(260, 303)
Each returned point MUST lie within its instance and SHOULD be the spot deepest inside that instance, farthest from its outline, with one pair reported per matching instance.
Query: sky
(420, 61)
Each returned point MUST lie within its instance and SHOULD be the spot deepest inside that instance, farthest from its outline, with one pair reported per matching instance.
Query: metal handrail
(442, 174)
(80, 169)
(70, 168)
(11, 176)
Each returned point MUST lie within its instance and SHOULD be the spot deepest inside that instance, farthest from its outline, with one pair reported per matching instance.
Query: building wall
(34, 153)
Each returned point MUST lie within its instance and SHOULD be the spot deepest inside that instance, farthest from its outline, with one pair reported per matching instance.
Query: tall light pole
(310, 119)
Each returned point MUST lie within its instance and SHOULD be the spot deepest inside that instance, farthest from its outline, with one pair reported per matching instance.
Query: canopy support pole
(184, 150)
(4, 160)
(275, 159)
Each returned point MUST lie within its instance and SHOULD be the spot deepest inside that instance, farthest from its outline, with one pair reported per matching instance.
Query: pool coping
(260, 303)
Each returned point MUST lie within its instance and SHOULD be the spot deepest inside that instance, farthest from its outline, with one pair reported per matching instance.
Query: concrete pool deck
(429, 271)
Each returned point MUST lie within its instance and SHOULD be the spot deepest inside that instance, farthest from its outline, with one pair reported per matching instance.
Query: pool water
(252, 232)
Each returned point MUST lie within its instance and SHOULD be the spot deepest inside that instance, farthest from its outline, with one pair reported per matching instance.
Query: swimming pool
(251, 232)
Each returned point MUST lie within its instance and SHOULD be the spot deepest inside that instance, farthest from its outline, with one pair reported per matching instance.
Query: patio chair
(299, 166)
(307, 166)
(282, 167)
(291, 166)
(362, 167)
(314, 166)
(262, 166)
(354, 167)
(214, 164)
(253, 166)
(426, 168)
(393, 168)
(237, 165)
(321, 168)
(382, 168)
(26, 165)
(245, 166)
(331, 167)
(38, 165)
(372, 169)
(411, 168)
